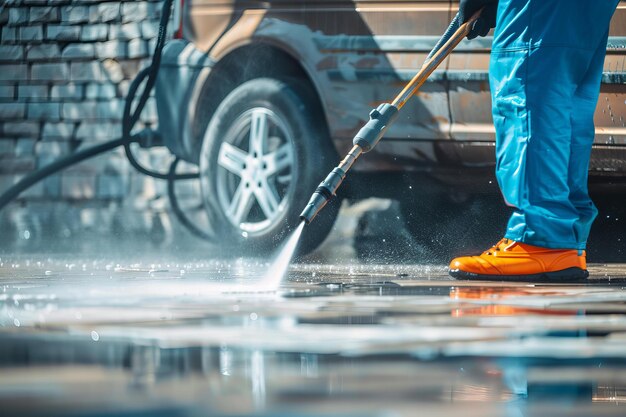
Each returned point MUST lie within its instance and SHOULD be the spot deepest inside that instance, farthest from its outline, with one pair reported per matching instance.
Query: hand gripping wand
(384, 115)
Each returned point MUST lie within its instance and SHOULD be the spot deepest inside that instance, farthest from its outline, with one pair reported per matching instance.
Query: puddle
(198, 338)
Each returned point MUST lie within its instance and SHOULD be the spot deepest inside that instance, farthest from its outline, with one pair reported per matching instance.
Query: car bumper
(181, 76)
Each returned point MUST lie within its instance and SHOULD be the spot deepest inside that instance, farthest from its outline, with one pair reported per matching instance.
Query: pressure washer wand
(381, 118)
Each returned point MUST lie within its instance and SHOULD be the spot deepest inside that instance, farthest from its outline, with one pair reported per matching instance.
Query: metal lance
(381, 118)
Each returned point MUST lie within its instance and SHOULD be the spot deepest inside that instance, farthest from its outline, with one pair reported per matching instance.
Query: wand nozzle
(323, 194)
(364, 141)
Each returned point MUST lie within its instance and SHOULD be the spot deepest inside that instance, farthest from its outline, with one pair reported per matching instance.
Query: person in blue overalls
(545, 71)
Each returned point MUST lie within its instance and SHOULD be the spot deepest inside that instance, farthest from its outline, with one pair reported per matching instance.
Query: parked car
(265, 97)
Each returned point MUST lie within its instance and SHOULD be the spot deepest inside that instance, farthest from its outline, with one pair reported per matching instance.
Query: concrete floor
(88, 336)
(368, 325)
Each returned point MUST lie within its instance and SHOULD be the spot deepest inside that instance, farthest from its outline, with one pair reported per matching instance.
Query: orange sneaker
(509, 260)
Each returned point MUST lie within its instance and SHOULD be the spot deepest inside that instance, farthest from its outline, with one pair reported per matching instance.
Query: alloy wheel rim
(255, 167)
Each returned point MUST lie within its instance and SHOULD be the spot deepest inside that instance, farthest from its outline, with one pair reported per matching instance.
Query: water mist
(279, 266)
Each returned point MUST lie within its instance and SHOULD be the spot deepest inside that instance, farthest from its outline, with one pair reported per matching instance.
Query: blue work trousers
(545, 72)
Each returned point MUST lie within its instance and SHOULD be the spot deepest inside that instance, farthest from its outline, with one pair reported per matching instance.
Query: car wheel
(263, 154)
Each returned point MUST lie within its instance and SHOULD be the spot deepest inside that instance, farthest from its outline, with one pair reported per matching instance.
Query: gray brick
(131, 66)
(149, 113)
(98, 131)
(78, 186)
(9, 35)
(112, 186)
(20, 165)
(101, 91)
(43, 52)
(32, 92)
(137, 48)
(125, 32)
(57, 131)
(34, 194)
(52, 186)
(37, 2)
(31, 34)
(154, 10)
(52, 72)
(25, 147)
(4, 15)
(134, 11)
(152, 44)
(63, 33)
(95, 32)
(17, 165)
(104, 12)
(13, 72)
(49, 151)
(86, 71)
(22, 129)
(18, 16)
(110, 110)
(92, 110)
(12, 110)
(149, 29)
(85, 110)
(122, 87)
(7, 91)
(79, 50)
(44, 111)
(44, 15)
(75, 14)
(111, 49)
(67, 92)
(114, 71)
(11, 53)
(7, 147)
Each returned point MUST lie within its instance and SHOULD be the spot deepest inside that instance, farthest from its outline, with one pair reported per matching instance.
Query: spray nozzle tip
(317, 202)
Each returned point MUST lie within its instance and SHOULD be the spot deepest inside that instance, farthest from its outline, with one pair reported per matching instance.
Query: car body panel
(360, 53)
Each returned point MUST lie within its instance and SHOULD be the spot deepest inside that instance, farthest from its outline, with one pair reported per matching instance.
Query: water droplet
(16, 322)
(95, 336)
(253, 316)
(26, 234)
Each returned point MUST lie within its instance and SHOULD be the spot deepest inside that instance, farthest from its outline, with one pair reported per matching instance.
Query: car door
(369, 50)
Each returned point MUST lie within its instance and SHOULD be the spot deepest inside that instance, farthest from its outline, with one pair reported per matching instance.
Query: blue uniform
(546, 66)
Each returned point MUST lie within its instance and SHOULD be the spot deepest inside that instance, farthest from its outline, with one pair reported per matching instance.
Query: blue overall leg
(545, 72)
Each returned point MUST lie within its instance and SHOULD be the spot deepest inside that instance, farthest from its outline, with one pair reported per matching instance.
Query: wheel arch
(246, 62)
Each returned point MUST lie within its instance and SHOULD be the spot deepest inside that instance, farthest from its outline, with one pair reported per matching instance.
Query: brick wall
(65, 67)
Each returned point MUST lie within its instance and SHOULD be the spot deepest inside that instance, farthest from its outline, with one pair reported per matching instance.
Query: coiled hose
(129, 120)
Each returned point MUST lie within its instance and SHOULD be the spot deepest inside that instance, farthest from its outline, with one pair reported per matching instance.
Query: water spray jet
(279, 266)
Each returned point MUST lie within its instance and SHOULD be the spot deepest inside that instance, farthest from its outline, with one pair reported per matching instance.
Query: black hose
(128, 121)
(129, 117)
(58, 165)
(180, 214)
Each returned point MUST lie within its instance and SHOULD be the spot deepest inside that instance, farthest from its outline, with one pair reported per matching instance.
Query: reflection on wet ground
(86, 337)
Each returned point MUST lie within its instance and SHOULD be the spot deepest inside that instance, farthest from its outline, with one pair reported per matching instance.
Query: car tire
(264, 151)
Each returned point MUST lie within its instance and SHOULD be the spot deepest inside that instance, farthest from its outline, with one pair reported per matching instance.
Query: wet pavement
(91, 337)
